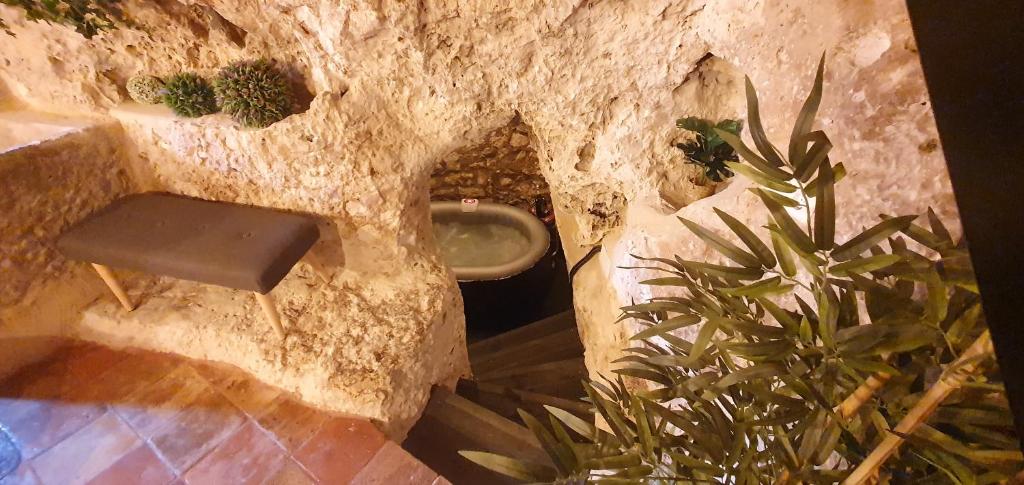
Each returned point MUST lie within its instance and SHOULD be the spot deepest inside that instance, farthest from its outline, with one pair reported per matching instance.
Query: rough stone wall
(46, 187)
(398, 85)
(502, 167)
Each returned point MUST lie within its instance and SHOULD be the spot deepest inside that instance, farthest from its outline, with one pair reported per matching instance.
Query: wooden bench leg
(114, 285)
(271, 312)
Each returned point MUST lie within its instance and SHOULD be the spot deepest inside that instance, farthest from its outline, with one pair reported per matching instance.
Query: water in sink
(465, 244)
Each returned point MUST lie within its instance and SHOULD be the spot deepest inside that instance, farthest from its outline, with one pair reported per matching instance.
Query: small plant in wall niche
(189, 95)
(255, 93)
(815, 359)
(88, 17)
(146, 89)
(708, 149)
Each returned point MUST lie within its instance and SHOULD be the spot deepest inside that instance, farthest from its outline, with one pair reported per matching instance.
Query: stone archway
(502, 166)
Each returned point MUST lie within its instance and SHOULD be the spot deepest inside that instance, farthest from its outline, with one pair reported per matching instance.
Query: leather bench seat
(232, 245)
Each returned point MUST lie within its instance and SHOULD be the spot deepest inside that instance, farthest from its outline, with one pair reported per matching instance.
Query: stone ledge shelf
(20, 128)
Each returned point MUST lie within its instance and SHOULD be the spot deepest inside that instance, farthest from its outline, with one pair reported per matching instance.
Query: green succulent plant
(88, 17)
(146, 89)
(708, 149)
(189, 95)
(255, 93)
(810, 356)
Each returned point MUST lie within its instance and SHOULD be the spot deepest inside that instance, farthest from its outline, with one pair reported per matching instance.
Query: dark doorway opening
(503, 167)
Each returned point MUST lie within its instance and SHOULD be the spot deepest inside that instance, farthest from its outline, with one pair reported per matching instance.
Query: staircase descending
(526, 368)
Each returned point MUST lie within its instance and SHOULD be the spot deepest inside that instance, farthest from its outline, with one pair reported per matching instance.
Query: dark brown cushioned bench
(232, 245)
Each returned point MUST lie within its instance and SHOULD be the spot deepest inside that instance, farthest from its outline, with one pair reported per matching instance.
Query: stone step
(559, 378)
(560, 345)
(507, 401)
(452, 423)
(483, 349)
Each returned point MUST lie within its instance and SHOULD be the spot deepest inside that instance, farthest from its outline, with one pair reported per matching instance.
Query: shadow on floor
(94, 415)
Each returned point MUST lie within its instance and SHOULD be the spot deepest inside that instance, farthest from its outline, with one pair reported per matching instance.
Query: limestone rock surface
(396, 86)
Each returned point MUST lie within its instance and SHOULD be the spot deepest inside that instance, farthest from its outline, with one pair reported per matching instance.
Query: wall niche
(712, 90)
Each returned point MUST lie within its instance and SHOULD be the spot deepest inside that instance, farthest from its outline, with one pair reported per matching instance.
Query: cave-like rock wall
(502, 167)
(397, 86)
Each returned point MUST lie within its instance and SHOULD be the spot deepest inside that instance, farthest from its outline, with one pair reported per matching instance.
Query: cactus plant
(255, 93)
(146, 89)
(189, 95)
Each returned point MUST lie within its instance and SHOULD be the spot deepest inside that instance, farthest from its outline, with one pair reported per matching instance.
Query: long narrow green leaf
(825, 210)
(760, 351)
(938, 228)
(828, 315)
(643, 428)
(675, 361)
(584, 428)
(700, 344)
(666, 281)
(722, 245)
(724, 271)
(749, 238)
(757, 132)
(782, 316)
(755, 160)
(787, 224)
(805, 120)
(759, 371)
(657, 306)
(563, 458)
(871, 366)
(645, 374)
(610, 413)
(947, 443)
(666, 326)
(865, 265)
(759, 177)
(624, 460)
(633, 472)
(752, 329)
(693, 463)
(566, 441)
(786, 263)
(665, 261)
(520, 470)
(838, 172)
(877, 233)
(827, 445)
(809, 163)
(777, 197)
(812, 436)
(770, 286)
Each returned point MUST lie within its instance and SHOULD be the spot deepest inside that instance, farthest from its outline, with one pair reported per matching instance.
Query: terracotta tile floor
(91, 415)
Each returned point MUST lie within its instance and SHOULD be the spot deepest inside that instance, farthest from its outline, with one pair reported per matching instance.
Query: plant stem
(807, 204)
(952, 379)
(862, 394)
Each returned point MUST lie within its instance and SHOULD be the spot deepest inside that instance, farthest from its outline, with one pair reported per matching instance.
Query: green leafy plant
(255, 93)
(813, 359)
(189, 95)
(146, 89)
(88, 17)
(708, 149)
